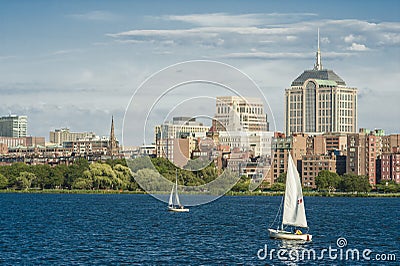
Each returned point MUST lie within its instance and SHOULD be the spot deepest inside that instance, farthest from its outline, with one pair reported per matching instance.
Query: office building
(319, 101)
(170, 135)
(14, 126)
(250, 113)
(59, 136)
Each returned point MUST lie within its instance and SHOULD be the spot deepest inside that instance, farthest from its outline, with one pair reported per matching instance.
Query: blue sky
(76, 63)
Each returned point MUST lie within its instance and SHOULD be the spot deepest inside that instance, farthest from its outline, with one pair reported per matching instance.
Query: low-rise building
(311, 165)
(390, 166)
(59, 136)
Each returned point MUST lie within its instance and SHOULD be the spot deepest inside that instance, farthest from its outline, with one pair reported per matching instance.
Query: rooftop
(323, 74)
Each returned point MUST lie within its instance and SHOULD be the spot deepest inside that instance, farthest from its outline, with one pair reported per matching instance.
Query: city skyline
(74, 64)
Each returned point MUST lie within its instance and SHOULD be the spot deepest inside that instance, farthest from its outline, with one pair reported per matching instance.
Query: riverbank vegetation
(119, 176)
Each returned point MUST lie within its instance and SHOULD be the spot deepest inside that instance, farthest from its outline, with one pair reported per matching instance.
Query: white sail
(176, 193)
(170, 202)
(293, 210)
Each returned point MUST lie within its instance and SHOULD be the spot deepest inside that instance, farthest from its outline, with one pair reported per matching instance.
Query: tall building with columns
(319, 101)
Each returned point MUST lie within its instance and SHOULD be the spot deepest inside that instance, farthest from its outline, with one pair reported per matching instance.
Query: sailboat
(174, 204)
(294, 213)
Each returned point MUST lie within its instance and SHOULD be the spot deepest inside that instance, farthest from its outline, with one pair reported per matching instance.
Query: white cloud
(221, 30)
(357, 47)
(243, 20)
(266, 55)
(96, 15)
(353, 38)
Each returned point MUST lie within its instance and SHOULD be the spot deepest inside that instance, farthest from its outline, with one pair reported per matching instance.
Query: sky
(77, 63)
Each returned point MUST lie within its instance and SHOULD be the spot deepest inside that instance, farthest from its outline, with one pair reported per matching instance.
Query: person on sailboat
(298, 232)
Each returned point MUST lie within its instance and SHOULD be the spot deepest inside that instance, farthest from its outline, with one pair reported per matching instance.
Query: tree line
(329, 181)
(118, 174)
(121, 174)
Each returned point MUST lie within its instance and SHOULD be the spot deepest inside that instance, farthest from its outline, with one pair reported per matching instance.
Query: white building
(180, 127)
(59, 136)
(14, 126)
(250, 112)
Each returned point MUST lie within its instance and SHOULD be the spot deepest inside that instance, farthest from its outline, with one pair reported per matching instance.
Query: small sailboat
(294, 213)
(174, 204)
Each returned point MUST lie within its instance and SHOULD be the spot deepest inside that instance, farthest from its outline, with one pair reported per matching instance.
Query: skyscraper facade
(319, 101)
(14, 126)
(250, 113)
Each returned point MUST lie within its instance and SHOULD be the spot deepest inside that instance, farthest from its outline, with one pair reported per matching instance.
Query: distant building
(147, 150)
(13, 126)
(281, 146)
(362, 153)
(35, 141)
(179, 128)
(390, 166)
(13, 142)
(250, 113)
(311, 165)
(59, 136)
(256, 143)
(88, 146)
(390, 142)
(319, 101)
(326, 143)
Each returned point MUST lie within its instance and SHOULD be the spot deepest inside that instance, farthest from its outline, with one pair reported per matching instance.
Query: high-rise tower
(319, 101)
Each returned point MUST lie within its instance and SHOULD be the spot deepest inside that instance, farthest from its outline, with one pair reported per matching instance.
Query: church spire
(113, 146)
(318, 63)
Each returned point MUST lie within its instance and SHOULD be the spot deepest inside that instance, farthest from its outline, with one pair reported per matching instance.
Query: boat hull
(178, 209)
(280, 234)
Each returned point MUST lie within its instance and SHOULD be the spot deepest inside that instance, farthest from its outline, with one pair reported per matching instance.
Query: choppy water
(137, 229)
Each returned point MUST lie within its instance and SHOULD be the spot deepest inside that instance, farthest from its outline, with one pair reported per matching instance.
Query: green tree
(388, 186)
(150, 180)
(140, 163)
(24, 180)
(354, 183)
(327, 181)
(57, 176)
(3, 181)
(278, 186)
(13, 171)
(42, 173)
(281, 178)
(102, 175)
(123, 176)
(114, 162)
(75, 171)
(82, 183)
(242, 185)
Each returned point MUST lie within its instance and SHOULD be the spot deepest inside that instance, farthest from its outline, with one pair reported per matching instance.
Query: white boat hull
(171, 209)
(280, 234)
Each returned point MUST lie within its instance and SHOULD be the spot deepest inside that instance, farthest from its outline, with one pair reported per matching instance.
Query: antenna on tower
(318, 63)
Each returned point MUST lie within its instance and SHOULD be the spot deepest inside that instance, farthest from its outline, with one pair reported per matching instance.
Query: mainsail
(176, 193)
(293, 210)
(170, 202)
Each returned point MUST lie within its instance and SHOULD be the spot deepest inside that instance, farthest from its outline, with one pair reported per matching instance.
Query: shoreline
(230, 193)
